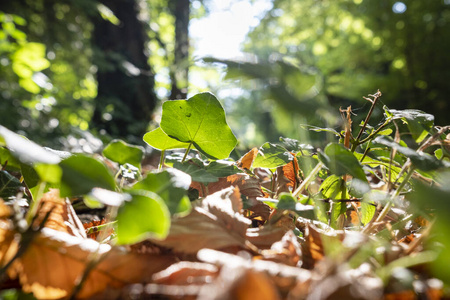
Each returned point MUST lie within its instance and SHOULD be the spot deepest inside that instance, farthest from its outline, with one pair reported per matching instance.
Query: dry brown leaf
(264, 237)
(62, 217)
(246, 161)
(213, 224)
(287, 251)
(55, 261)
(237, 283)
(186, 273)
(284, 277)
(347, 283)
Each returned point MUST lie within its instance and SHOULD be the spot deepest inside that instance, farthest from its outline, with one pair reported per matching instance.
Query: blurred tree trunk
(180, 70)
(126, 96)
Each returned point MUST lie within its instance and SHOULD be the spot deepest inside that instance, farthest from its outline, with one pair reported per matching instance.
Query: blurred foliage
(46, 78)
(48, 66)
(352, 47)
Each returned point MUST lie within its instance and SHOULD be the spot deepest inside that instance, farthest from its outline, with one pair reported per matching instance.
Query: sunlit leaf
(200, 120)
(158, 139)
(145, 215)
(419, 122)
(271, 156)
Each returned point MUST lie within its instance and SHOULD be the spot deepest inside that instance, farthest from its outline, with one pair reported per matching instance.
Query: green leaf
(422, 161)
(294, 145)
(367, 212)
(340, 161)
(222, 168)
(146, 215)
(158, 139)
(9, 185)
(200, 120)
(25, 150)
(419, 122)
(198, 173)
(171, 185)
(272, 156)
(122, 153)
(49, 173)
(287, 201)
(320, 129)
(333, 187)
(81, 173)
(8, 161)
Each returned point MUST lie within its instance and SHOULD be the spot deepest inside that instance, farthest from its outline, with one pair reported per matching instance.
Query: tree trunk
(126, 95)
(180, 70)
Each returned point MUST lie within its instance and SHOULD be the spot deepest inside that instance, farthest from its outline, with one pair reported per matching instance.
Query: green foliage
(271, 156)
(122, 153)
(341, 161)
(81, 173)
(158, 139)
(171, 185)
(144, 216)
(199, 121)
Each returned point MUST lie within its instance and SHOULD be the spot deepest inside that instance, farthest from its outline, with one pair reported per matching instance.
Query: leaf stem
(186, 153)
(161, 160)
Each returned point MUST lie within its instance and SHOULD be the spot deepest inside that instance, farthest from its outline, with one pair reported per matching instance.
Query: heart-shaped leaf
(123, 153)
(199, 121)
(419, 122)
(158, 139)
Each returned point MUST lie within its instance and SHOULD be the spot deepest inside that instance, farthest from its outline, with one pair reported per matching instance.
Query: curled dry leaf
(213, 224)
(264, 237)
(287, 178)
(62, 215)
(55, 260)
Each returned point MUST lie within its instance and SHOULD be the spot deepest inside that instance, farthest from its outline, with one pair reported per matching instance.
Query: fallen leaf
(62, 216)
(264, 237)
(287, 178)
(246, 161)
(213, 224)
(287, 251)
(55, 260)
(284, 277)
(186, 273)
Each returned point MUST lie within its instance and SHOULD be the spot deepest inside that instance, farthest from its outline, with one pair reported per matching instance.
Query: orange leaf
(246, 161)
(55, 260)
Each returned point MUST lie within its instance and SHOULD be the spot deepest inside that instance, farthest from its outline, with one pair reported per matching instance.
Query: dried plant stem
(308, 180)
(376, 96)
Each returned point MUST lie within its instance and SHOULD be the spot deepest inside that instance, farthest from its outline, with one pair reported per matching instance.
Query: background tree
(125, 98)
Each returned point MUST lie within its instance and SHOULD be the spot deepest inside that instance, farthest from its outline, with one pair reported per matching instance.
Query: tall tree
(180, 70)
(125, 97)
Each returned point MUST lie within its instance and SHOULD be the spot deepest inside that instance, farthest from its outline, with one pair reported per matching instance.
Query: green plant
(348, 202)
